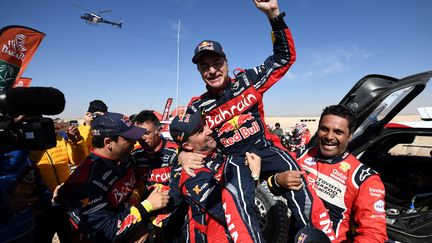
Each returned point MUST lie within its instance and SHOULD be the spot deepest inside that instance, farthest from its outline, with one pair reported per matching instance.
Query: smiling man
(233, 110)
(212, 216)
(351, 191)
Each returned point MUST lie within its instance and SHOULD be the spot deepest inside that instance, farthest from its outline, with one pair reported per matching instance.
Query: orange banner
(17, 47)
(22, 82)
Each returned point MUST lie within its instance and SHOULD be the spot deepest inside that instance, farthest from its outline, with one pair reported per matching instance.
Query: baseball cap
(207, 46)
(184, 126)
(112, 124)
(97, 105)
(311, 235)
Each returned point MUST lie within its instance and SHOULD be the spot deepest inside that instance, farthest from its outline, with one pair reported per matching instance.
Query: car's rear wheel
(273, 214)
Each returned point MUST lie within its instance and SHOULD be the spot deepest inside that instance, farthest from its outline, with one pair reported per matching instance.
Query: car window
(420, 147)
(383, 109)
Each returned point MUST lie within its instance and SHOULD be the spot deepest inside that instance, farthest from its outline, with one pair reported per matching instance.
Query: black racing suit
(236, 115)
(99, 196)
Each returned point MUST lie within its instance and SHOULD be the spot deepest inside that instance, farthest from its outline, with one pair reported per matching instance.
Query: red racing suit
(351, 191)
(154, 169)
(236, 115)
(99, 199)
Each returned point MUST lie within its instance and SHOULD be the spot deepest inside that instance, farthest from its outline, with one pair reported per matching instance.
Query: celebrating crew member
(205, 191)
(154, 158)
(99, 194)
(351, 191)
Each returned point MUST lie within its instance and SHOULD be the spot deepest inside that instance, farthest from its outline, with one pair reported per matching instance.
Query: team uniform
(236, 115)
(206, 217)
(101, 202)
(351, 191)
(154, 170)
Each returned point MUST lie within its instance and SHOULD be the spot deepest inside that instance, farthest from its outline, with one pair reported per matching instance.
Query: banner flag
(18, 45)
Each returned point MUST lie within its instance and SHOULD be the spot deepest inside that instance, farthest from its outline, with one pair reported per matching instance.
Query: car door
(377, 99)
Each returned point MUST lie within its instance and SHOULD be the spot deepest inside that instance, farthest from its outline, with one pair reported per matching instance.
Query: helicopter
(96, 18)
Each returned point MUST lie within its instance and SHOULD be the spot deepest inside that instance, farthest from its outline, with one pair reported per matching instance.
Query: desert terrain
(312, 121)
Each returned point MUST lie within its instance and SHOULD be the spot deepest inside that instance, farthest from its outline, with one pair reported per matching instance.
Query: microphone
(32, 101)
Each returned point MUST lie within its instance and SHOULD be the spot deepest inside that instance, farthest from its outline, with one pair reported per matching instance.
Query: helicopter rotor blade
(78, 6)
(103, 11)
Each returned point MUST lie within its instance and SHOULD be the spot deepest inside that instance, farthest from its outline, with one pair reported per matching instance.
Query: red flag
(166, 109)
(22, 82)
(18, 45)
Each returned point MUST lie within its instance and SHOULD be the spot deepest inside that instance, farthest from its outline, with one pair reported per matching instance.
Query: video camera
(32, 132)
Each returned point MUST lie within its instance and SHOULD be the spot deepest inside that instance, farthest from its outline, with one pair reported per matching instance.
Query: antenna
(178, 66)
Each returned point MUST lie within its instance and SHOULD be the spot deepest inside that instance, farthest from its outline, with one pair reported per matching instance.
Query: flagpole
(178, 66)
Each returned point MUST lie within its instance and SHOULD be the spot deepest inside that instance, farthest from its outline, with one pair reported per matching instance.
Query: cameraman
(20, 189)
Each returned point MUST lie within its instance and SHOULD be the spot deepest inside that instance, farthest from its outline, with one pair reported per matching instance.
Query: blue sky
(134, 68)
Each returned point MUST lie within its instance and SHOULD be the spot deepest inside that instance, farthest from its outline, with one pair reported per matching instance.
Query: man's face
(333, 135)
(202, 141)
(151, 139)
(122, 147)
(214, 70)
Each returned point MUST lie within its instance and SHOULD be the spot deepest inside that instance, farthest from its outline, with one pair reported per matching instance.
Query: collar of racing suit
(332, 160)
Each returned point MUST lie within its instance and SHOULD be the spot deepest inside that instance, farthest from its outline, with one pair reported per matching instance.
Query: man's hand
(73, 134)
(291, 179)
(254, 162)
(190, 161)
(269, 7)
(158, 199)
(55, 198)
(88, 118)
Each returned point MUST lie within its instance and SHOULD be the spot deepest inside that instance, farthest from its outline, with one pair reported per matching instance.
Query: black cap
(112, 124)
(207, 46)
(184, 126)
(97, 105)
(311, 235)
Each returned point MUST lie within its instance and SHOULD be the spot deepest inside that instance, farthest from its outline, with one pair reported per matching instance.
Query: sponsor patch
(127, 222)
(376, 192)
(95, 208)
(310, 161)
(197, 189)
(339, 176)
(379, 206)
(364, 174)
(302, 238)
(344, 166)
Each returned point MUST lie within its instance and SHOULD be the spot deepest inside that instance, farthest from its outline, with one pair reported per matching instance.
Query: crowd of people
(115, 178)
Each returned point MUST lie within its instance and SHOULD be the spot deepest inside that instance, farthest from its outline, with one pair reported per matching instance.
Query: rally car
(400, 152)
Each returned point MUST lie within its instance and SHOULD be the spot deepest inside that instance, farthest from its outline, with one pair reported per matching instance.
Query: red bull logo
(205, 45)
(240, 134)
(235, 123)
(226, 128)
(243, 118)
